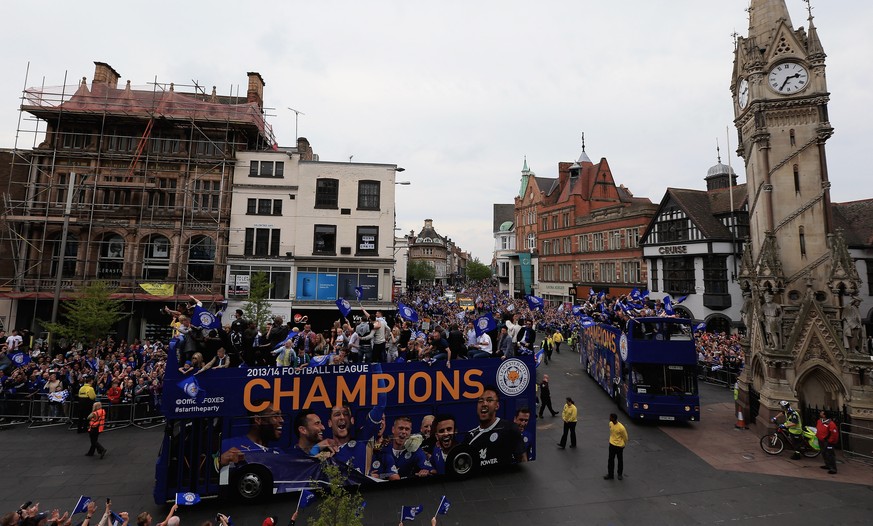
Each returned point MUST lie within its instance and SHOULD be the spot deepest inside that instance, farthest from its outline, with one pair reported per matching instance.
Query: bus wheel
(460, 464)
(253, 483)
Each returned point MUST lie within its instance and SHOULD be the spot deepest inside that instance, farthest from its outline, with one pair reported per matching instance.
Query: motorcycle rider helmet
(784, 404)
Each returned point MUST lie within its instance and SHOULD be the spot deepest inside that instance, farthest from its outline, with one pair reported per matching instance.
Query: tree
(338, 505)
(90, 315)
(477, 271)
(420, 271)
(257, 308)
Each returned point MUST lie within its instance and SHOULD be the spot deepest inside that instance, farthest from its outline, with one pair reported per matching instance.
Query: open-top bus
(650, 369)
(237, 431)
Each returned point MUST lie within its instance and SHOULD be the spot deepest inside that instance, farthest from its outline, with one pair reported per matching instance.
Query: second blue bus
(650, 369)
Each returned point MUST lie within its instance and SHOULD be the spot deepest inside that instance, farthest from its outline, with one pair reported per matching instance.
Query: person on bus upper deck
(526, 337)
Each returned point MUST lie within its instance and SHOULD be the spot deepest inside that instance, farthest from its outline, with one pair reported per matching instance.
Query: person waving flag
(408, 513)
(534, 302)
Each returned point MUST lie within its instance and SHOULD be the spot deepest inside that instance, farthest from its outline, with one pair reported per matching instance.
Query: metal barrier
(14, 409)
(857, 442)
(45, 413)
(720, 376)
(146, 415)
(118, 415)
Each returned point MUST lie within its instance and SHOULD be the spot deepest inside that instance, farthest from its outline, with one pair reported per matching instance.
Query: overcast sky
(459, 92)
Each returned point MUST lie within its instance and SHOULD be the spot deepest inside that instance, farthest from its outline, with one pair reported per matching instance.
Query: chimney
(105, 74)
(304, 149)
(255, 92)
(428, 223)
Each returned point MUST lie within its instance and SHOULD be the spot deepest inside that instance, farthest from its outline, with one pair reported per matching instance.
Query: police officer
(794, 426)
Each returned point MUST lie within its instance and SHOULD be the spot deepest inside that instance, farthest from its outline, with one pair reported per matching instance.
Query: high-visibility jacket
(98, 420)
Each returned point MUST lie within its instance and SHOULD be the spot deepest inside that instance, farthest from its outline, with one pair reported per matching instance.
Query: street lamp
(403, 183)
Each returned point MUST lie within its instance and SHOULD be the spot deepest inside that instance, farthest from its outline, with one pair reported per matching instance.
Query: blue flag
(116, 519)
(485, 324)
(668, 306)
(444, 506)
(590, 292)
(20, 359)
(635, 294)
(407, 313)
(306, 498)
(700, 327)
(681, 299)
(82, 505)
(187, 498)
(204, 318)
(344, 307)
(539, 356)
(317, 361)
(578, 310)
(534, 302)
(359, 292)
(408, 513)
(191, 388)
(644, 294)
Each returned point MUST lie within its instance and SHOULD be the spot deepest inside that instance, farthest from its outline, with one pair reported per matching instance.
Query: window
(368, 195)
(165, 196)
(201, 258)
(555, 222)
(504, 242)
(630, 272)
(264, 207)
(547, 245)
(796, 180)
(801, 236)
(653, 271)
(584, 243)
(206, 195)
(326, 193)
(367, 241)
(869, 265)
(156, 260)
(262, 242)
(598, 241)
(565, 272)
(556, 246)
(679, 275)
(715, 275)
(531, 241)
(110, 263)
(325, 240)
(69, 260)
(632, 237)
(566, 220)
(607, 272)
(567, 248)
(545, 223)
(266, 169)
(672, 230)
(586, 272)
(615, 240)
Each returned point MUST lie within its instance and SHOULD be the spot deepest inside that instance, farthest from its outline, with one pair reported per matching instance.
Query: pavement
(700, 473)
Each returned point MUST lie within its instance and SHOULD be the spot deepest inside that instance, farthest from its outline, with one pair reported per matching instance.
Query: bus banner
(271, 429)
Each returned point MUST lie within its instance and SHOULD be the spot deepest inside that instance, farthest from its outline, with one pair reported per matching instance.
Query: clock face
(788, 77)
(743, 94)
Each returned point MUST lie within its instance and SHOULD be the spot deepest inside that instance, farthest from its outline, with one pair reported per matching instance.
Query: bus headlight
(645, 406)
(687, 408)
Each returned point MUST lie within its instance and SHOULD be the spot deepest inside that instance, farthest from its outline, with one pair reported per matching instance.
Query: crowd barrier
(38, 411)
(719, 376)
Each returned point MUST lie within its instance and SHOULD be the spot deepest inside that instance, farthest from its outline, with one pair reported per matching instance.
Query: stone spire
(764, 17)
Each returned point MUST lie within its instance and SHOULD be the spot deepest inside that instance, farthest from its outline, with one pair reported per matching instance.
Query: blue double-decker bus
(650, 369)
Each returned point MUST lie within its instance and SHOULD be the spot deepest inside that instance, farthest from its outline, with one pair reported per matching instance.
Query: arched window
(110, 263)
(156, 258)
(201, 258)
(71, 251)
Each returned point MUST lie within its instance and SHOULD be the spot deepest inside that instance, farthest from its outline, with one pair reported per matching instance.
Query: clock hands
(796, 75)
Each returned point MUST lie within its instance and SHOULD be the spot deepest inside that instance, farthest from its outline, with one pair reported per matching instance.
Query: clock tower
(797, 275)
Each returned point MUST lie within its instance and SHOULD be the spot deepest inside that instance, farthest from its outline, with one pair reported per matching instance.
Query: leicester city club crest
(483, 324)
(346, 305)
(206, 319)
(512, 377)
(407, 311)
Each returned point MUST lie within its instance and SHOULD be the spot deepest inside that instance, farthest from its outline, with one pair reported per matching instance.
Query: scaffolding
(127, 185)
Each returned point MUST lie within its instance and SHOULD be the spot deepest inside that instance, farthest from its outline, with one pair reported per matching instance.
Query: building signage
(367, 243)
(673, 249)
